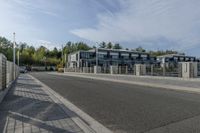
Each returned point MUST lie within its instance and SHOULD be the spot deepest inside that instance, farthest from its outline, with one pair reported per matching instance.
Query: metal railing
(166, 70)
(7, 74)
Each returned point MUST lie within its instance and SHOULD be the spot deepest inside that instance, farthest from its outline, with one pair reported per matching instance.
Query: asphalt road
(129, 108)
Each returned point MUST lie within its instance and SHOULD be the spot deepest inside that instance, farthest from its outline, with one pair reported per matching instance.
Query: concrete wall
(7, 75)
(113, 69)
(2, 72)
(97, 69)
(140, 69)
(189, 69)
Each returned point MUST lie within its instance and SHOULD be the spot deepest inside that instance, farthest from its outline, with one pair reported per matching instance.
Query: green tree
(109, 45)
(140, 49)
(102, 45)
(117, 46)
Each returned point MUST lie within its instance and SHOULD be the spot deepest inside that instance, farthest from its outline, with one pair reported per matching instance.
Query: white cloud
(177, 21)
(49, 45)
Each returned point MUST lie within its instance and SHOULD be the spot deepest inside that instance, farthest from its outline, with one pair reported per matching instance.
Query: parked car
(22, 69)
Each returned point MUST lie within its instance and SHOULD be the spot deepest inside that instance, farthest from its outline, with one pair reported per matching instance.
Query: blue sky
(152, 24)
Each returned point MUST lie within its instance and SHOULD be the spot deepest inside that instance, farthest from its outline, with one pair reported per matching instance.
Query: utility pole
(14, 55)
(97, 57)
(62, 57)
(18, 58)
(65, 59)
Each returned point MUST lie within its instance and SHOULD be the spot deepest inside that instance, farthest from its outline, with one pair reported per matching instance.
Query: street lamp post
(96, 57)
(18, 57)
(14, 55)
(62, 57)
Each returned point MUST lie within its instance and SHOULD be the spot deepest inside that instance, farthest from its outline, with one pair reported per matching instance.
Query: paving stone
(27, 108)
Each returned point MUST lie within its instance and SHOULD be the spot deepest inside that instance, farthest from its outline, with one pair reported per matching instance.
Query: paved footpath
(28, 108)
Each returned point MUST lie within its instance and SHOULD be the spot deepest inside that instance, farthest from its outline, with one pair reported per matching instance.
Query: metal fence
(2, 72)
(7, 74)
(167, 70)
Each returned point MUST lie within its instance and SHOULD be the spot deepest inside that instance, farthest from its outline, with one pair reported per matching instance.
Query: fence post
(140, 69)
(189, 69)
(111, 69)
(164, 71)
(151, 70)
(126, 69)
(97, 69)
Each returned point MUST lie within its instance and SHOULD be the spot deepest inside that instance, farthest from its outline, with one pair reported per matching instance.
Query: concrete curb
(84, 121)
(146, 76)
(169, 87)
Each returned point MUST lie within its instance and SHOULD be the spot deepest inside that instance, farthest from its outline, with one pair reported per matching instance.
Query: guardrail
(7, 75)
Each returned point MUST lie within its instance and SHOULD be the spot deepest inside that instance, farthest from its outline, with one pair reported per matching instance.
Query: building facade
(173, 59)
(108, 57)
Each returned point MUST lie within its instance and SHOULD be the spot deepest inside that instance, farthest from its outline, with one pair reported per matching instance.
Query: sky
(152, 24)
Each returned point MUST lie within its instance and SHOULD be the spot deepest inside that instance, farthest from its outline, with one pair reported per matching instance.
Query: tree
(140, 49)
(82, 46)
(117, 46)
(102, 45)
(109, 45)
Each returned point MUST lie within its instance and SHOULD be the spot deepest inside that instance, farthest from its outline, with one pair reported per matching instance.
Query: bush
(61, 70)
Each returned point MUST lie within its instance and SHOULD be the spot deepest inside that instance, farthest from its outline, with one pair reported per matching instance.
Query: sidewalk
(28, 108)
(173, 83)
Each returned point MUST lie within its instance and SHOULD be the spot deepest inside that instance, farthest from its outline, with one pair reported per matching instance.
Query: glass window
(114, 56)
(101, 56)
(134, 55)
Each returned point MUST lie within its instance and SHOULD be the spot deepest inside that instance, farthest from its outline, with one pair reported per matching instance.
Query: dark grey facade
(172, 59)
(108, 57)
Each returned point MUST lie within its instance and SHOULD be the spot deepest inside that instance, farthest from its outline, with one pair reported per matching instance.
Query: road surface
(129, 108)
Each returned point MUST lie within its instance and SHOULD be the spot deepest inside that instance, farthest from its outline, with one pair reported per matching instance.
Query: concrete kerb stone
(146, 76)
(169, 87)
(83, 120)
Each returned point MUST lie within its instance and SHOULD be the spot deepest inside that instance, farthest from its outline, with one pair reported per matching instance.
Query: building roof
(117, 50)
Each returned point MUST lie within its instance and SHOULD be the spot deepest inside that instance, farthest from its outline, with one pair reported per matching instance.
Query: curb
(83, 120)
(146, 76)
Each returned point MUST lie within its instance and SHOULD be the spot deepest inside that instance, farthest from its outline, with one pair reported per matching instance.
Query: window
(101, 56)
(134, 55)
(114, 56)
(85, 55)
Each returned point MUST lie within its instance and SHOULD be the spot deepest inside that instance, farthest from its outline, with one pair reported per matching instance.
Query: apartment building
(108, 57)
